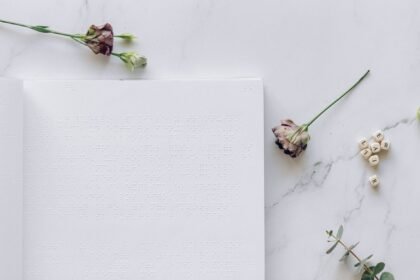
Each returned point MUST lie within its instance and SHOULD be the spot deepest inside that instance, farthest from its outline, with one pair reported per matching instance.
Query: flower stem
(78, 40)
(335, 101)
(45, 29)
(365, 267)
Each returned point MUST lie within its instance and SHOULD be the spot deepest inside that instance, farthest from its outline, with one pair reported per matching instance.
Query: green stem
(335, 101)
(365, 267)
(49, 30)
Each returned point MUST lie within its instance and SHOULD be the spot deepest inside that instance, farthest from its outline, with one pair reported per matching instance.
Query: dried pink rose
(100, 39)
(292, 138)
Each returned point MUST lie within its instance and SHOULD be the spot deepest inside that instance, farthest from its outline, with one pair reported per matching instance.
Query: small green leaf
(379, 267)
(368, 277)
(332, 248)
(344, 257)
(41, 28)
(363, 262)
(340, 232)
(347, 253)
(387, 276)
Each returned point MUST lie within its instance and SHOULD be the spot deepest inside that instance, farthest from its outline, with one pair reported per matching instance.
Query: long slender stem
(14, 23)
(335, 101)
(365, 267)
(49, 30)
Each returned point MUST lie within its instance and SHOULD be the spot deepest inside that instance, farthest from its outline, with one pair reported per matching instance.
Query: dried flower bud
(100, 39)
(291, 138)
(126, 36)
(133, 60)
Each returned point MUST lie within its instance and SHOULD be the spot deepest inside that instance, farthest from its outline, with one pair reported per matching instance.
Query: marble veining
(307, 52)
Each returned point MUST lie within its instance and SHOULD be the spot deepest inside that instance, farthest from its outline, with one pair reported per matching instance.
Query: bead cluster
(370, 151)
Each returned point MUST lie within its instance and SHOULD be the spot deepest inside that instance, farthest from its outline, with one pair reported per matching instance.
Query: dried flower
(100, 39)
(292, 138)
(132, 60)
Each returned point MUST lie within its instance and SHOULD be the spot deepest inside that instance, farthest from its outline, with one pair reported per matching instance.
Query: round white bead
(366, 153)
(374, 160)
(385, 144)
(374, 180)
(378, 136)
(363, 143)
(375, 147)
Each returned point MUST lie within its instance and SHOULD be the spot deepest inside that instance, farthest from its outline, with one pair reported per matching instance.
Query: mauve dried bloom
(100, 39)
(293, 138)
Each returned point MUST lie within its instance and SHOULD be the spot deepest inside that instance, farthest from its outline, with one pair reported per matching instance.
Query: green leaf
(366, 274)
(340, 232)
(347, 253)
(378, 268)
(332, 248)
(368, 277)
(387, 276)
(363, 262)
(41, 28)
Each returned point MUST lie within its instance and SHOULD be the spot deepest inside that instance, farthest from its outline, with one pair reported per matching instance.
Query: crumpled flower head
(291, 138)
(100, 39)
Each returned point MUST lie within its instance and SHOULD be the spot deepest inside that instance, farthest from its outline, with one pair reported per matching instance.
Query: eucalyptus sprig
(100, 39)
(370, 271)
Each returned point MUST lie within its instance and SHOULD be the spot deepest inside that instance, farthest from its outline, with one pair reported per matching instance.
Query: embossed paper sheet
(11, 199)
(128, 180)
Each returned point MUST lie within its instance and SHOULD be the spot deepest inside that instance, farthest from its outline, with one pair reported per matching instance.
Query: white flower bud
(133, 60)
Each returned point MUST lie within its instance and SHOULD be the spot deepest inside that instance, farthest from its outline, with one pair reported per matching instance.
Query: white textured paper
(11, 179)
(154, 180)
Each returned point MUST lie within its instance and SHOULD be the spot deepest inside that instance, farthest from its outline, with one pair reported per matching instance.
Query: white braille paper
(128, 180)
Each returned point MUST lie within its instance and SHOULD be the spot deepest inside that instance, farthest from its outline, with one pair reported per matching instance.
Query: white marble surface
(307, 52)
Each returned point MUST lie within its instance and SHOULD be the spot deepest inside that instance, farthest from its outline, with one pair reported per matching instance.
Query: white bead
(378, 136)
(366, 153)
(363, 143)
(385, 145)
(374, 180)
(375, 147)
(374, 160)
